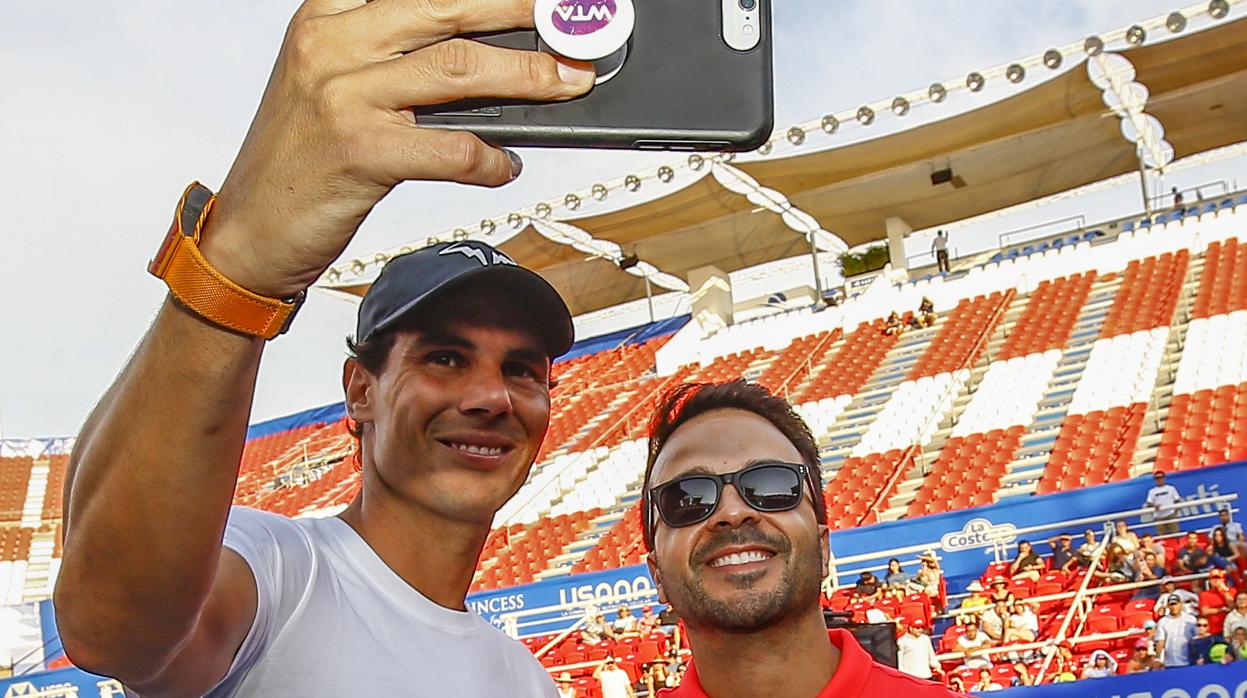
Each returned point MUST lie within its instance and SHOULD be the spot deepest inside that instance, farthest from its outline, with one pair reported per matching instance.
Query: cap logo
(580, 17)
(478, 254)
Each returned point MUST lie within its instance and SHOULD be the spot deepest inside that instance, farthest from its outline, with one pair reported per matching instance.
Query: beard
(751, 609)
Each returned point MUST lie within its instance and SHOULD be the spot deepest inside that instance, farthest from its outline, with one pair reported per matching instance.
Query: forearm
(148, 495)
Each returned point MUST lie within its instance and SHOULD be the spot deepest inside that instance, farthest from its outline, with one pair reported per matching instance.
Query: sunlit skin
(471, 378)
(755, 628)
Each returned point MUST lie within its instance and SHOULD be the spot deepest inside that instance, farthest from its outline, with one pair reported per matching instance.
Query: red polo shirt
(858, 676)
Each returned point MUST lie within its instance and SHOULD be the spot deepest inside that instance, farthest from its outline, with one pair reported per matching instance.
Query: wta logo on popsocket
(580, 17)
(587, 30)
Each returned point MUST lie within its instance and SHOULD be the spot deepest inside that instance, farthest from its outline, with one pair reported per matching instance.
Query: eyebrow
(446, 339)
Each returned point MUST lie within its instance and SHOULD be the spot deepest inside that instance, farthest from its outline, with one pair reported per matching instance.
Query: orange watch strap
(207, 292)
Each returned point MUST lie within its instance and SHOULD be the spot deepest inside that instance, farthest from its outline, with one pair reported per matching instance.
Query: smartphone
(694, 75)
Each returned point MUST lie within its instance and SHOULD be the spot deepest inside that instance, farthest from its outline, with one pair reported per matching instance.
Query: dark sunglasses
(768, 486)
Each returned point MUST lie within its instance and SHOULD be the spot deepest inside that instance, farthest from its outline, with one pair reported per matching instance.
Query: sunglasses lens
(686, 501)
(771, 488)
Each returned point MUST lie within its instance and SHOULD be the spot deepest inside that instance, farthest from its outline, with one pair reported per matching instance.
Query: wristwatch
(205, 291)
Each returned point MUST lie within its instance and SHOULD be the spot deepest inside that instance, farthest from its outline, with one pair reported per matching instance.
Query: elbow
(96, 645)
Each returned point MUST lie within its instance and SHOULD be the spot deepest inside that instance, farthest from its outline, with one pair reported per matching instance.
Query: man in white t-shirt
(447, 392)
(1164, 500)
(614, 681)
(1237, 617)
(969, 644)
(914, 653)
(1174, 632)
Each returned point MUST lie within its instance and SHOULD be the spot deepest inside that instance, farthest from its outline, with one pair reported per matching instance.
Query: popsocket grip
(587, 30)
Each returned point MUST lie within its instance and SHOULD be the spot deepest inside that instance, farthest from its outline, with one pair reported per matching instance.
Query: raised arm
(146, 593)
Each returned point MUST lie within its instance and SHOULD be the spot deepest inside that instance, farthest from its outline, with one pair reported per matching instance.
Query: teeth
(478, 450)
(740, 558)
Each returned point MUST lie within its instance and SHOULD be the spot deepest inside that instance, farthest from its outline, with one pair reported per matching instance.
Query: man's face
(1192, 540)
(1002, 608)
(1159, 479)
(972, 630)
(453, 422)
(1175, 608)
(1224, 516)
(688, 563)
(1240, 601)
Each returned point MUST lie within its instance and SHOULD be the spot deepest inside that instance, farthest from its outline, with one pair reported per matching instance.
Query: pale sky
(112, 107)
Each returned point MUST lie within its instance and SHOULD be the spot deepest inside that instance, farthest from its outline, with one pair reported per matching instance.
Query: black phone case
(681, 88)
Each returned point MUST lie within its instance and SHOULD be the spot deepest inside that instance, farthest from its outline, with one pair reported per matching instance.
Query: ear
(652, 563)
(357, 385)
(824, 542)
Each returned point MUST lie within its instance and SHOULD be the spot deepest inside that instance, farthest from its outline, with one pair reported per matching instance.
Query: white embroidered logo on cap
(478, 254)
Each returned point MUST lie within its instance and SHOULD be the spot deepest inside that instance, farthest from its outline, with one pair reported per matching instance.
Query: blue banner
(493, 605)
(62, 683)
(961, 538)
(1209, 681)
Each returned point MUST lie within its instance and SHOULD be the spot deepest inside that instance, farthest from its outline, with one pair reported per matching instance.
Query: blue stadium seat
(1192, 211)
(1013, 254)
(1209, 207)
(1092, 234)
(1043, 246)
(1073, 240)
(1162, 219)
(1129, 226)
(1146, 222)
(1058, 244)
(995, 258)
(1226, 203)
(1242, 199)
(1028, 250)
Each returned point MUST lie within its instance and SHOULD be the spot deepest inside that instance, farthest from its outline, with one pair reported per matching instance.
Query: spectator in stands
(930, 578)
(657, 678)
(1101, 665)
(1148, 543)
(1142, 660)
(1125, 538)
(1024, 623)
(896, 576)
(986, 682)
(1000, 591)
(1177, 199)
(995, 621)
(648, 622)
(867, 588)
(1174, 632)
(1234, 534)
(894, 326)
(1218, 598)
(1192, 557)
(1063, 663)
(1238, 641)
(1150, 570)
(625, 623)
(448, 430)
(1086, 551)
(926, 313)
(970, 644)
(940, 247)
(1027, 564)
(1118, 566)
(914, 652)
(1237, 617)
(1164, 501)
(1220, 553)
(1204, 639)
(596, 630)
(744, 562)
(1169, 588)
(1063, 556)
(614, 681)
(956, 685)
(566, 689)
(978, 596)
(1021, 672)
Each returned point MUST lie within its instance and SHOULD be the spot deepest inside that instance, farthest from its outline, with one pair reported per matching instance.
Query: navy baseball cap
(414, 281)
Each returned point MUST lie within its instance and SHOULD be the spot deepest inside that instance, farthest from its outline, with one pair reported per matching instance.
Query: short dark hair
(688, 400)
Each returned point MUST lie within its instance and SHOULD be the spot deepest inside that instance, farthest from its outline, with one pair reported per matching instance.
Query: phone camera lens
(748, 5)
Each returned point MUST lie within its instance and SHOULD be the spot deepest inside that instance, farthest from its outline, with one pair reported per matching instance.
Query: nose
(732, 511)
(485, 392)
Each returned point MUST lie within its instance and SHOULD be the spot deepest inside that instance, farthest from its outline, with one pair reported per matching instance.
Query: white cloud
(111, 107)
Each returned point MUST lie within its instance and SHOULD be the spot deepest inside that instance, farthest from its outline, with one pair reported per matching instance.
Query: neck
(789, 660)
(436, 556)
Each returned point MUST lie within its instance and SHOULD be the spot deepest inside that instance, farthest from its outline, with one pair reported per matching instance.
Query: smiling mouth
(475, 450)
(742, 558)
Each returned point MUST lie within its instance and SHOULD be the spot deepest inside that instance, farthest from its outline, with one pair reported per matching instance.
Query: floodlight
(865, 116)
(936, 92)
(900, 106)
(632, 182)
(975, 81)
(1136, 35)
(515, 220)
(1015, 73)
(796, 135)
(1176, 22)
(542, 210)
(599, 191)
(488, 226)
(666, 174)
(571, 201)
(1052, 59)
(1218, 8)
(1093, 46)
(459, 236)
(830, 124)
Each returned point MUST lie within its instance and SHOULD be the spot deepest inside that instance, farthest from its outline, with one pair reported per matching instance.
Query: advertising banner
(580, 588)
(1209, 681)
(63, 683)
(963, 538)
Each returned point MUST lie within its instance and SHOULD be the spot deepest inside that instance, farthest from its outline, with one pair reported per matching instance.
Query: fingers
(401, 26)
(462, 69)
(457, 156)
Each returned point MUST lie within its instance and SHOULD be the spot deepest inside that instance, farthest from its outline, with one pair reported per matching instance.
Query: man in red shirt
(735, 525)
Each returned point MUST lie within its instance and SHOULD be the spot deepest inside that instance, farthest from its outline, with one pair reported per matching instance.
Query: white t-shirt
(615, 683)
(915, 655)
(333, 619)
(1164, 499)
(940, 243)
